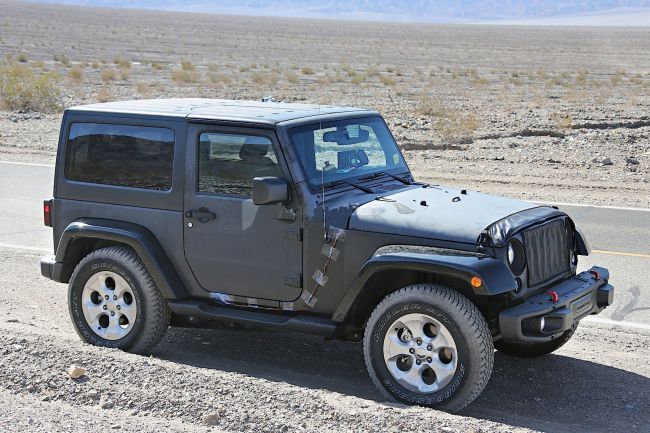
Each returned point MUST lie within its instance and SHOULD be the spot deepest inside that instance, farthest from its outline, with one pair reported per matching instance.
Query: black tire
(534, 350)
(153, 315)
(465, 323)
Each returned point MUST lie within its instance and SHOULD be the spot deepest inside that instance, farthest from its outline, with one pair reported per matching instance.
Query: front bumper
(540, 318)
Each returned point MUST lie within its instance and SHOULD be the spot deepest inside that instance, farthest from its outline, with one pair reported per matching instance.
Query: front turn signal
(476, 282)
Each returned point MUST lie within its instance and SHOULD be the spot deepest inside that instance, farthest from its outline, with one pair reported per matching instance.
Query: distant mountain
(512, 11)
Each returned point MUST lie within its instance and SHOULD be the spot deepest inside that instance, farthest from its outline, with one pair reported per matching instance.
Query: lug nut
(418, 341)
(112, 313)
(429, 359)
(418, 362)
(106, 297)
(429, 347)
(118, 307)
(105, 307)
(114, 298)
(411, 350)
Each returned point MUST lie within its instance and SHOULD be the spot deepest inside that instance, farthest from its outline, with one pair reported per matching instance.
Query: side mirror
(270, 190)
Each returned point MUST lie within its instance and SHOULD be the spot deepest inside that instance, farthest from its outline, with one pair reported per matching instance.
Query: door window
(229, 162)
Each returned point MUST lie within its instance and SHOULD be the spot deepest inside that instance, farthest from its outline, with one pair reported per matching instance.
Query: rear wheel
(114, 302)
(429, 345)
(536, 349)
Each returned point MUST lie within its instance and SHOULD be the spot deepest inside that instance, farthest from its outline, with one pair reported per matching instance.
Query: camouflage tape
(330, 252)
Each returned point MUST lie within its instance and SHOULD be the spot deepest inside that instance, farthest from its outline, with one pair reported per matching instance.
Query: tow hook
(596, 274)
(555, 298)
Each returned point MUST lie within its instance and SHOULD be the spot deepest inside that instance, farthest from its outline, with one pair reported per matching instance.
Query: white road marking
(26, 248)
(27, 163)
(619, 323)
(559, 203)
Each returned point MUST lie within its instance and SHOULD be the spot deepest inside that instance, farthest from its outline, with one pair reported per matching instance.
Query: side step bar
(304, 324)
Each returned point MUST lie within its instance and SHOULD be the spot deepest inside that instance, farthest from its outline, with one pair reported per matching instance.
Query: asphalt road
(620, 238)
(607, 361)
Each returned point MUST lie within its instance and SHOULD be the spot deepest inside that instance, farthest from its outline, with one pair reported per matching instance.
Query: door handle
(201, 214)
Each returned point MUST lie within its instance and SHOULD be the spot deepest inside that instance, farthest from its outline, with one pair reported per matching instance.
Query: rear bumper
(52, 269)
(538, 319)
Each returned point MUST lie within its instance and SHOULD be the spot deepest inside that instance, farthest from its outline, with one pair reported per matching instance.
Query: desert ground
(540, 113)
(545, 113)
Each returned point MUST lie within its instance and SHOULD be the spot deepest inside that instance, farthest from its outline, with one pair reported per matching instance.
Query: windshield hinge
(483, 242)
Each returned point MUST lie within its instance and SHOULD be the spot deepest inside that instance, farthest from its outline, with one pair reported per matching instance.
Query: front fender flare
(495, 274)
(137, 237)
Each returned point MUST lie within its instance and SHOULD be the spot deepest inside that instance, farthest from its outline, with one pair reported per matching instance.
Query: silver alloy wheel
(108, 305)
(420, 353)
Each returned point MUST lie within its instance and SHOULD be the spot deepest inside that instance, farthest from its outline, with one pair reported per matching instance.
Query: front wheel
(536, 349)
(429, 345)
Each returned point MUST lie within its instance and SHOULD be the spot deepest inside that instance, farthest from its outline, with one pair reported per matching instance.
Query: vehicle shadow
(553, 394)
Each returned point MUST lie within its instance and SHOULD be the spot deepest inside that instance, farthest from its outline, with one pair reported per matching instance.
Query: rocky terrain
(547, 113)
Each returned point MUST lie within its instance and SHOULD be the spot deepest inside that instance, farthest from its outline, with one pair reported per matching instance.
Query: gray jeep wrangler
(191, 212)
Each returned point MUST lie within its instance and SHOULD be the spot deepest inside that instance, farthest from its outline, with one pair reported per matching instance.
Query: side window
(229, 162)
(122, 155)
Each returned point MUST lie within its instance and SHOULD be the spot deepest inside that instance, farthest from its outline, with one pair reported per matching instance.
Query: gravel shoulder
(254, 381)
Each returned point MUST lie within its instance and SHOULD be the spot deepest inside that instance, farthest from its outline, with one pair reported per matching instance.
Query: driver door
(233, 246)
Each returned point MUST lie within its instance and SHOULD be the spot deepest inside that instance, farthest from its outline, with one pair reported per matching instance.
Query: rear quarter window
(121, 155)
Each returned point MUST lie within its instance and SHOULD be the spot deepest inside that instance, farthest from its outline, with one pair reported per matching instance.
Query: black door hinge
(295, 235)
(294, 280)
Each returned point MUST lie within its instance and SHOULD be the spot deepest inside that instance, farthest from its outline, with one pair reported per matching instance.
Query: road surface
(600, 381)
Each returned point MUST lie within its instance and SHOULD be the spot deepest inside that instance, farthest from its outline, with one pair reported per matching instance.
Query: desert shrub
(372, 72)
(386, 80)
(452, 125)
(76, 75)
(217, 78)
(562, 120)
(108, 75)
(122, 62)
(187, 65)
(124, 74)
(23, 89)
(22, 58)
(307, 71)
(156, 66)
(105, 95)
(292, 78)
(184, 76)
(243, 69)
(358, 78)
(62, 58)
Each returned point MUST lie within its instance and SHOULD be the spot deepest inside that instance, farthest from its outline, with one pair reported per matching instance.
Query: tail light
(47, 213)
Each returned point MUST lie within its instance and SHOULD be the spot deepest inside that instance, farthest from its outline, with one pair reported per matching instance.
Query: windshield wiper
(381, 173)
(357, 186)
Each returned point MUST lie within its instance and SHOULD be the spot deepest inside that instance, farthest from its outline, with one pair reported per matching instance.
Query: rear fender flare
(137, 237)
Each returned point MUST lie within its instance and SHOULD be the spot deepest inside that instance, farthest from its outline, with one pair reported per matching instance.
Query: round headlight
(516, 257)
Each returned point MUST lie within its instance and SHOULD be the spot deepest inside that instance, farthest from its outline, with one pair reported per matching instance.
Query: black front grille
(547, 251)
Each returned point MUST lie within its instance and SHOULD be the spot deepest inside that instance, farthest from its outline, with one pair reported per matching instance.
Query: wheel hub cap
(108, 305)
(420, 353)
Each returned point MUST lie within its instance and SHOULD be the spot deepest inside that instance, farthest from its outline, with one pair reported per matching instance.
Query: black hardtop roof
(218, 109)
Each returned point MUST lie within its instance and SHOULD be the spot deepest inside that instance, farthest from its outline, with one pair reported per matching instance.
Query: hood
(435, 212)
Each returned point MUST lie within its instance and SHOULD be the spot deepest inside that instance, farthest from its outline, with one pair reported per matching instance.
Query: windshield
(346, 149)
